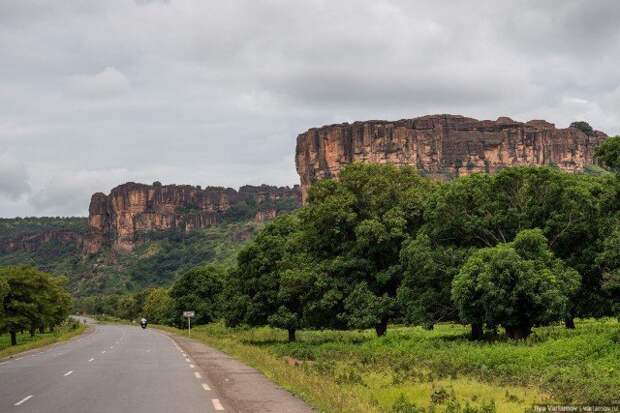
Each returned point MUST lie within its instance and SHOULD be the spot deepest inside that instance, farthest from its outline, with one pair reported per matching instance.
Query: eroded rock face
(122, 218)
(32, 242)
(442, 146)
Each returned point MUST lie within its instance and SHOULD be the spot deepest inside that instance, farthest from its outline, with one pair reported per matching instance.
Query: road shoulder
(243, 387)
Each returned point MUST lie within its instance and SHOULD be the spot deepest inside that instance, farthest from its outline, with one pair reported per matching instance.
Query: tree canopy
(31, 300)
(516, 285)
(199, 290)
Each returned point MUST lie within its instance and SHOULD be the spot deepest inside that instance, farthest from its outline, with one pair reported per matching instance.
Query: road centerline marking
(216, 404)
(91, 359)
(24, 400)
(198, 376)
(68, 373)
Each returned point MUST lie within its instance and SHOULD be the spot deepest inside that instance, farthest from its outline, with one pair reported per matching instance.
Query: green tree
(583, 126)
(32, 300)
(354, 228)
(609, 260)
(607, 154)
(126, 307)
(199, 290)
(484, 210)
(516, 285)
(428, 270)
(159, 306)
(4, 291)
(272, 281)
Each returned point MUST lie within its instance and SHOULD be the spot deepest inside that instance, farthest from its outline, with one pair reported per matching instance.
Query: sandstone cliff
(32, 242)
(122, 218)
(442, 146)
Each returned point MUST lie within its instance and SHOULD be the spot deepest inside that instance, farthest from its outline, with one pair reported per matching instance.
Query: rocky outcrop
(122, 218)
(442, 146)
(32, 242)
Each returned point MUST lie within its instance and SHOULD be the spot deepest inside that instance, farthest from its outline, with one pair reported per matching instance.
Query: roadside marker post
(189, 315)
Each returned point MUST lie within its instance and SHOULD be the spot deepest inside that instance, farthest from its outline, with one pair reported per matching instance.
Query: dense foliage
(384, 244)
(608, 154)
(31, 300)
(525, 247)
(10, 227)
(516, 285)
(157, 262)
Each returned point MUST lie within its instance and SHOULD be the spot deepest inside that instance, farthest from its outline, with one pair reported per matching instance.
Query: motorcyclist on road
(143, 322)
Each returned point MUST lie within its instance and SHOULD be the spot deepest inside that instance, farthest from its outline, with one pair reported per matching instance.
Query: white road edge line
(216, 404)
(68, 373)
(206, 387)
(103, 352)
(91, 360)
(191, 366)
(187, 359)
(18, 358)
(24, 400)
(198, 376)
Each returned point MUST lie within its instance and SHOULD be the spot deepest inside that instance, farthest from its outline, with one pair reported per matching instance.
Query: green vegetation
(382, 244)
(355, 371)
(608, 154)
(31, 300)
(511, 254)
(157, 262)
(515, 285)
(10, 227)
(199, 289)
(63, 332)
(583, 126)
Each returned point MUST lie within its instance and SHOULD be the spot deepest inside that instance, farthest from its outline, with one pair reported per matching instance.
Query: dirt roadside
(243, 387)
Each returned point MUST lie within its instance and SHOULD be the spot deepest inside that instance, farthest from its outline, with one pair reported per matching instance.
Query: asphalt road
(113, 369)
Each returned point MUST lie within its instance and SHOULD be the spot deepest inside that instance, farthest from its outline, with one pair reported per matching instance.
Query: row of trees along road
(524, 247)
(31, 300)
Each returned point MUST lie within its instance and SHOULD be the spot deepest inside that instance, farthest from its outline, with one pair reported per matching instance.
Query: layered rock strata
(442, 146)
(122, 218)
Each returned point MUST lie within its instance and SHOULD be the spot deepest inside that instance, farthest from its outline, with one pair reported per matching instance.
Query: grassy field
(440, 369)
(25, 342)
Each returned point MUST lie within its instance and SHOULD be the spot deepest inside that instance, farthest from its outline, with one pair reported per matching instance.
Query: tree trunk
(42, 329)
(569, 322)
(381, 328)
(476, 331)
(291, 335)
(32, 331)
(519, 332)
(13, 338)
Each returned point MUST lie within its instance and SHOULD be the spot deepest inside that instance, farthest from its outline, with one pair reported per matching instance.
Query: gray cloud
(214, 93)
(13, 178)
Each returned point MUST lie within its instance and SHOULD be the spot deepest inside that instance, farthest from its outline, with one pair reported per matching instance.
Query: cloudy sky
(97, 93)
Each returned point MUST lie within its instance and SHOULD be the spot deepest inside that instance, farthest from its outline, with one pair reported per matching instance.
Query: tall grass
(356, 371)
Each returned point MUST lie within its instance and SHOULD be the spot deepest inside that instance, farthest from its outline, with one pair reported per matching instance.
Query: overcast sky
(97, 93)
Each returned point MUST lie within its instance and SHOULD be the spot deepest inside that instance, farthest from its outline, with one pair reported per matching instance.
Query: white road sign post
(189, 315)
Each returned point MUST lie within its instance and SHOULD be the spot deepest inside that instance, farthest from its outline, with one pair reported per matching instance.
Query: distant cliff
(442, 146)
(122, 218)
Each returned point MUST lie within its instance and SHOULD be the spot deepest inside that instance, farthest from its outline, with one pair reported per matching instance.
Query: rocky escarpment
(32, 242)
(442, 146)
(122, 218)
